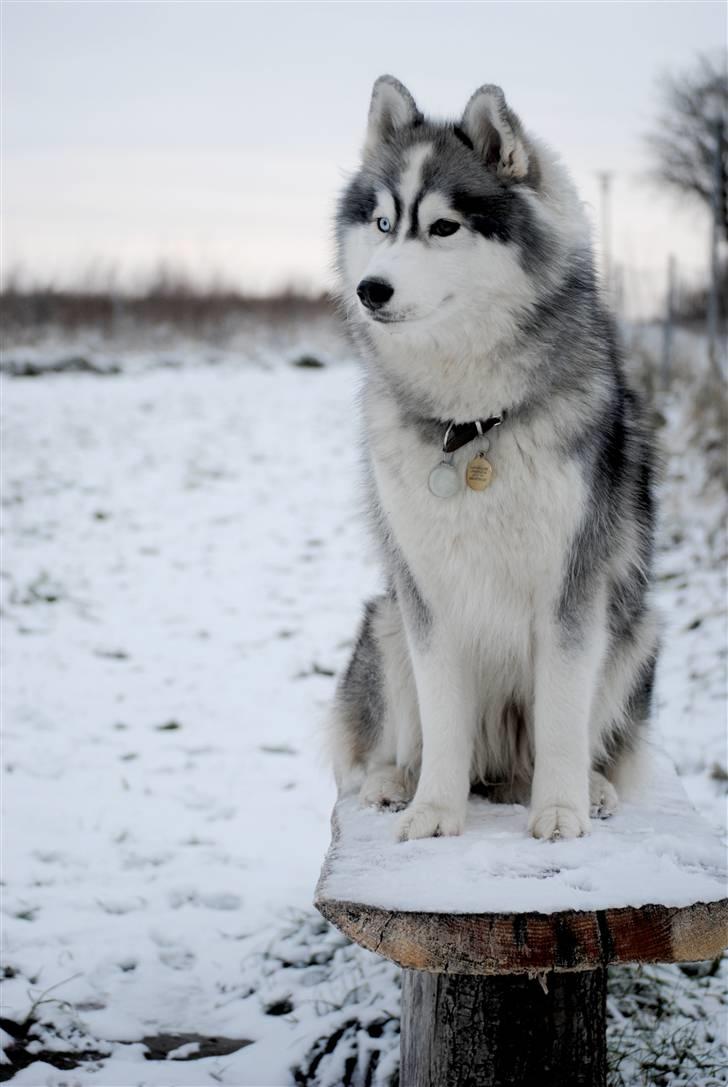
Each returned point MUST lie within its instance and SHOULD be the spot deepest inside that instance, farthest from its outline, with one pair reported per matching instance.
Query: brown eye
(443, 228)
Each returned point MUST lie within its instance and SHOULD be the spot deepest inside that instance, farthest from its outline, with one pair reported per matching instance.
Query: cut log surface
(648, 885)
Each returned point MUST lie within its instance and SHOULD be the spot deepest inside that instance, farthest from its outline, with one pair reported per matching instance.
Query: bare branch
(682, 144)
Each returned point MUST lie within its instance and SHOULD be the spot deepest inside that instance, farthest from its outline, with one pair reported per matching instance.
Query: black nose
(374, 293)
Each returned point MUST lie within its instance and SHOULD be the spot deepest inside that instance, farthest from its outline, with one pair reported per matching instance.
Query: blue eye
(384, 224)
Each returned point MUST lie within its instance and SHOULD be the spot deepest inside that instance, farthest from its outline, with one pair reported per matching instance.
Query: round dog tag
(479, 473)
(444, 481)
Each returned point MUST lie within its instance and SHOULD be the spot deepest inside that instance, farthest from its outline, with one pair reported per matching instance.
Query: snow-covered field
(183, 566)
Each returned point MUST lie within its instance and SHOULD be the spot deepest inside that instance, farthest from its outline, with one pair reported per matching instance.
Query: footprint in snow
(177, 958)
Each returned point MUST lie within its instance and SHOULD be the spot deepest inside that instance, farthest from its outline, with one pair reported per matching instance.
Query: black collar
(459, 434)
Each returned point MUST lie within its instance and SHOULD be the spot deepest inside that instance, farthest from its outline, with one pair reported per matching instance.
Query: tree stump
(461, 1030)
(504, 941)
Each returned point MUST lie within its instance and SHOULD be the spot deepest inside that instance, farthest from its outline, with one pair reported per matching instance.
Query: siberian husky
(509, 478)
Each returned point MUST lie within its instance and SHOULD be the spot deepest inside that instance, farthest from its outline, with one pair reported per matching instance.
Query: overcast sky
(214, 136)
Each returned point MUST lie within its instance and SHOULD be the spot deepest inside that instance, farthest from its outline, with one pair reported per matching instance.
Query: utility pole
(605, 180)
(717, 229)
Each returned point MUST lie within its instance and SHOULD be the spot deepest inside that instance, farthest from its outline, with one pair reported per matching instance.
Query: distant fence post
(605, 180)
(668, 323)
(618, 291)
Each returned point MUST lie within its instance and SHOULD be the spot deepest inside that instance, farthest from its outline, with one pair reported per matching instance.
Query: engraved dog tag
(479, 473)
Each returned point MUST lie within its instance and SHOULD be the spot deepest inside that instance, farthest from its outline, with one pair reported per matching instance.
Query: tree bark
(467, 1031)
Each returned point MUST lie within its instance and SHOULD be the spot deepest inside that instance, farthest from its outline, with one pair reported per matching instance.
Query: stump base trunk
(503, 1031)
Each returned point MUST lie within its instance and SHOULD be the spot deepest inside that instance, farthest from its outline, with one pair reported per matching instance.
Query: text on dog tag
(479, 473)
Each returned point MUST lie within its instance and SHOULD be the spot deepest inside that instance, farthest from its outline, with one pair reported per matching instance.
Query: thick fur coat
(514, 648)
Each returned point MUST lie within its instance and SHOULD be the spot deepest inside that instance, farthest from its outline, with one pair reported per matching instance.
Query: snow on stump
(504, 941)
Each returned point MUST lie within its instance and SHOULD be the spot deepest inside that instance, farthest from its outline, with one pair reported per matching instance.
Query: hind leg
(375, 725)
(386, 787)
(622, 752)
(603, 799)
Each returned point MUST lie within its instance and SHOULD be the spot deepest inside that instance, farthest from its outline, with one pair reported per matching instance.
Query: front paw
(423, 820)
(555, 821)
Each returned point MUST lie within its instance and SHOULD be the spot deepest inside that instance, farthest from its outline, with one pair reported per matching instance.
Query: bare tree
(683, 141)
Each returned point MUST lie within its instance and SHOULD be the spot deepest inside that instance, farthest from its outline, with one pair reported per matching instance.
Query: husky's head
(450, 227)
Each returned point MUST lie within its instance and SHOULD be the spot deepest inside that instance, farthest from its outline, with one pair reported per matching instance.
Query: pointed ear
(496, 133)
(392, 107)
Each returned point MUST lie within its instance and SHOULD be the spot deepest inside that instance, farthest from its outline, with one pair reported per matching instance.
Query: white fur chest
(478, 555)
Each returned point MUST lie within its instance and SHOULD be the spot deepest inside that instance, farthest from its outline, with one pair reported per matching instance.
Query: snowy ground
(182, 571)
